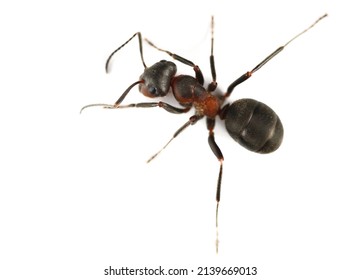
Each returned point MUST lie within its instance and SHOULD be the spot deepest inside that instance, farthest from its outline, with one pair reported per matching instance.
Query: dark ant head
(156, 79)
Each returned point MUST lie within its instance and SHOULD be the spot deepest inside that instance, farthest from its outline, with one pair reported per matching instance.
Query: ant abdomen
(254, 125)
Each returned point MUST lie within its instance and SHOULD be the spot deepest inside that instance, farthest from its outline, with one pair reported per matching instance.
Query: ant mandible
(252, 124)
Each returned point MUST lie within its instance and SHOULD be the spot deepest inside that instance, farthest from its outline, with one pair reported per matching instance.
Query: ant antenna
(117, 103)
(115, 51)
(96, 105)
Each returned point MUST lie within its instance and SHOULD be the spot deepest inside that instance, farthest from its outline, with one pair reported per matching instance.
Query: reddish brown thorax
(188, 92)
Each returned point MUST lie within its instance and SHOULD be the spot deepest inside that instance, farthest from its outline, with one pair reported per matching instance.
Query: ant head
(156, 80)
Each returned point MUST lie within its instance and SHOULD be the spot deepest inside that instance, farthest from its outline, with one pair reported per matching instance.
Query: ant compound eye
(149, 90)
(152, 90)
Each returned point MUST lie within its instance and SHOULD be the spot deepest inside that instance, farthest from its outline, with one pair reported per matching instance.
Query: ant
(252, 124)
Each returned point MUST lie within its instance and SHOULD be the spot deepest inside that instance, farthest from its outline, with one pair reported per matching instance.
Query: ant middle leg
(212, 86)
(192, 120)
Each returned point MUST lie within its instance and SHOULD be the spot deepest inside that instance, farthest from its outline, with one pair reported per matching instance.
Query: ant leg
(165, 106)
(117, 105)
(160, 104)
(212, 86)
(140, 48)
(248, 74)
(210, 123)
(198, 73)
(192, 120)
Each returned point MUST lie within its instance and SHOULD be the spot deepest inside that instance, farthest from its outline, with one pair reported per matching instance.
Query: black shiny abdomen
(254, 125)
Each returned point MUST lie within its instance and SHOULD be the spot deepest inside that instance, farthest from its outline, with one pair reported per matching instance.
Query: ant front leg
(210, 123)
(160, 104)
(198, 73)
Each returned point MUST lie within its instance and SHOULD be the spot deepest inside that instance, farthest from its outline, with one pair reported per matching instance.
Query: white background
(76, 193)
